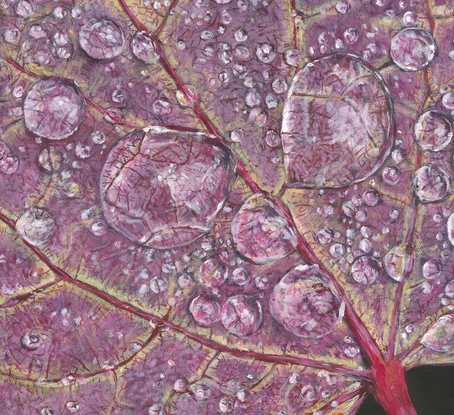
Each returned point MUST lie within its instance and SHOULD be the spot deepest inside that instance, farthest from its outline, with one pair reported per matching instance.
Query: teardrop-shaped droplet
(398, 263)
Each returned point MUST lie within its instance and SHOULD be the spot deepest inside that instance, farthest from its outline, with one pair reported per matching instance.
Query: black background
(431, 390)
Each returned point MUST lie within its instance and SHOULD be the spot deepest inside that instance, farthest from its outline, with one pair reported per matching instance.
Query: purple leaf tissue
(216, 207)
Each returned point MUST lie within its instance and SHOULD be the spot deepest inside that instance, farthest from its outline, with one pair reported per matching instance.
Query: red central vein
(364, 338)
(282, 359)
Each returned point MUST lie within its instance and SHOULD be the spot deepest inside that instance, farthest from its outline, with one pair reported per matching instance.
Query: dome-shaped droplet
(163, 188)
(212, 273)
(240, 277)
(72, 407)
(143, 48)
(431, 184)
(181, 385)
(36, 226)
(54, 108)
(102, 38)
(260, 233)
(412, 49)
(265, 53)
(304, 303)
(433, 131)
(336, 123)
(398, 263)
(440, 337)
(448, 100)
(31, 341)
(365, 270)
(431, 269)
(205, 310)
(241, 315)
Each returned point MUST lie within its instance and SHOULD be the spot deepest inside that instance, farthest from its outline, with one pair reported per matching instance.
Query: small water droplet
(31, 341)
(36, 226)
(391, 175)
(265, 53)
(241, 35)
(365, 270)
(337, 250)
(342, 7)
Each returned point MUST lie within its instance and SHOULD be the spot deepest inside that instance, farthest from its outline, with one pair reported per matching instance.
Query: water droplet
(252, 99)
(351, 351)
(54, 108)
(431, 269)
(24, 8)
(241, 315)
(409, 19)
(98, 137)
(82, 150)
(205, 310)
(351, 35)
(365, 245)
(391, 175)
(433, 130)
(47, 411)
(226, 18)
(242, 53)
(304, 303)
(237, 135)
(11, 36)
(241, 35)
(212, 273)
(449, 289)
(37, 31)
(9, 164)
(349, 209)
(31, 341)
(431, 184)
(260, 233)
(102, 38)
(60, 39)
(226, 405)
(448, 100)
(361, 216)
(60, 12)
(279, 86)
(440, 336)
(161, 107)
(337, 250)
(265, 53)
(272, 139)
(181, 385)
(155, 409)
(325, 236)
(271, 101)
(412, 49)
(258, 116)
(185, 281)
(291, 57)
(371, 197)
(398, 263)
(365, 270)
(72, 406)
(342, 7)
(36, 226)
(240, 277)
(99, 228)
(71, 189)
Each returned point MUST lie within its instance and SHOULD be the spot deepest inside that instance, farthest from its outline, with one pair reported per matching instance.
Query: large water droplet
(102, 38)
(304, 303)
(398, 263)
(440, 337)
(365, 270)
(164, 188)
(54, 108)
(412, 49)
(431, 184)
(241, 315)
(334, 142)
(433, 131)
(36, 226)
(260, 233)
(205, 311)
